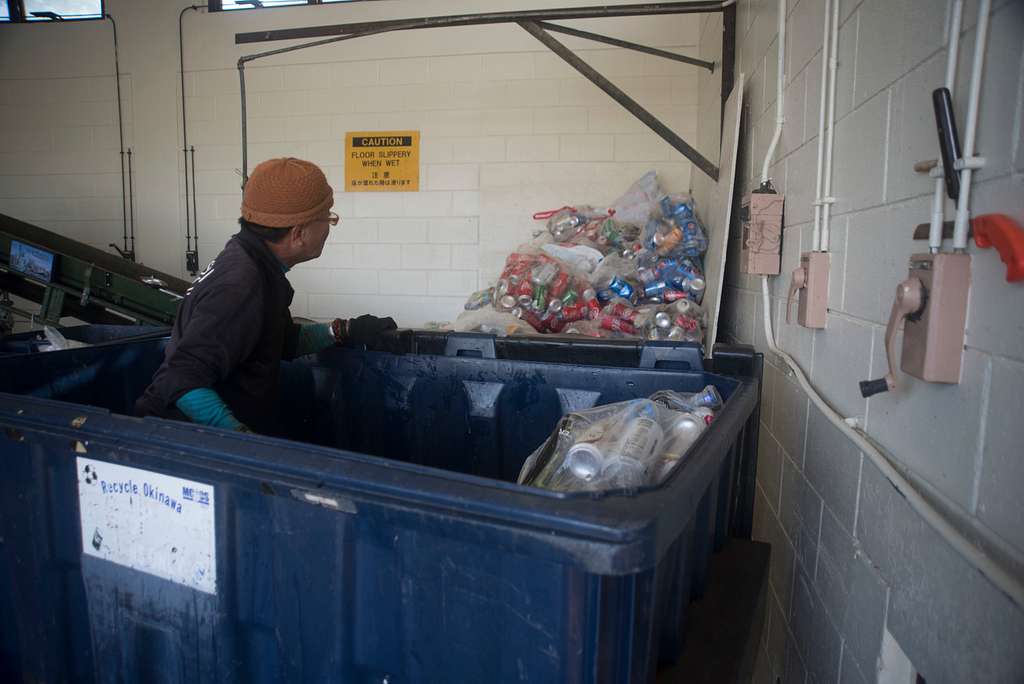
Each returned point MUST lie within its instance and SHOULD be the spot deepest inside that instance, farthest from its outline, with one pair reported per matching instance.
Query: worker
(233, 327)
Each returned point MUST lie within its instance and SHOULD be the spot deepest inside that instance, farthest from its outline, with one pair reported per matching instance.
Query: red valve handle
(1003, 233)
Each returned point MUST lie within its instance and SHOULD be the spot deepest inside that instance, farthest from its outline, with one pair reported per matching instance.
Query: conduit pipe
(938, 199)
(779, 105)
(963, 204)
(1003, 580)
(816, 230)
(828, 199)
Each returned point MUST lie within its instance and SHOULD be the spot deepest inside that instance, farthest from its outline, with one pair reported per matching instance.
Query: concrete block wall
(850, 559)
(507, 129)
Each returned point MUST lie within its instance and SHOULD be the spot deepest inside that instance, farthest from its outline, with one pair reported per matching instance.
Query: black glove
(366, 329)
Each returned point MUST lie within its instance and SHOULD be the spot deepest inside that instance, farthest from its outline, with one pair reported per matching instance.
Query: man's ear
(296, 236)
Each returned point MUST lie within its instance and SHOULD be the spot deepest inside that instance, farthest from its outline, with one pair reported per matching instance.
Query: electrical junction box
(812, 310)
(933, 336)
(761, 215)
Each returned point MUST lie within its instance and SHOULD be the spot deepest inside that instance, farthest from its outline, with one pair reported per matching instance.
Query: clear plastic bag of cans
(487, 320)
(669, 279)
(566, 223)
(624, 445)
(544, 292)
(639, 201)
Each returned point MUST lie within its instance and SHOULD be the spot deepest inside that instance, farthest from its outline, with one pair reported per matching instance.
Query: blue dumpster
(381, 538)
(28, 342)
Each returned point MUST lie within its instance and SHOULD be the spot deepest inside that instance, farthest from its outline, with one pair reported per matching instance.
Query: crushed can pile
(632, 270)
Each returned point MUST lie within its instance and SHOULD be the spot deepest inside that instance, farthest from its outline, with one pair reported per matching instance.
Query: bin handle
(476, 345)
(674, 355)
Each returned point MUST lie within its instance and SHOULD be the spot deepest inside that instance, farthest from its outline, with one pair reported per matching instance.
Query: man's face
(314, 235)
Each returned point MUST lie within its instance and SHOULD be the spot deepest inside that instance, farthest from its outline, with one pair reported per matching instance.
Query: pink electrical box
(933, 337)
(761, 214)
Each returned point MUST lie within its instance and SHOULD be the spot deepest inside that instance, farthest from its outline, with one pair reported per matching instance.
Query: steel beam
(644, 9)
(598, 38)
(622, 98)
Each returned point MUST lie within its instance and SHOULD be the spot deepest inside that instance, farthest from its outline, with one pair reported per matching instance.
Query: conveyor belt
(88, 283)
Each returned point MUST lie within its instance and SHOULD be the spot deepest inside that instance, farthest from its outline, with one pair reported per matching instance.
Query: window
(225, 5)
(50, 10)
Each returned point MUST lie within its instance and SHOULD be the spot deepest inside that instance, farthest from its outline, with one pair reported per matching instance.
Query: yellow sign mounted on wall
(382, 161)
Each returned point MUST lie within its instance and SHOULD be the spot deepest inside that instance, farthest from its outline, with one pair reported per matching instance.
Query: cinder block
(970, 634)
(846, 55)
(428, 204)
(356, 281)
(641, 147)
(769, 468)
(377, 256)
(426, 256)
(278, 103)
(859, 154)
(864, 618)
(465, 203)
(816, 637)
(946, 419)
(480, 94)
(804, 35)
(466, 256)
(771, 378)
(800, 513)
(351, 230)
(377, 204)
(311, 277)
(453, 283)
(404, 71)
(218, 81)
(832, 574)
(851, 673)
(879, 243)
(794, 98)
(306, 128)
(454, 230)
(837, 273)
(790, 418)
(508, 122)
(880, 52)
(260, 79)
(586, 147)
(560, 120)
(533, 148)
(780, 572)
(995, 320)
(842, 358)
(403, 231)
(1002, 469)
(354, 74)
(403, 282)
(454, 123)
(778, 634)
(305, 76)
(535, 91)
(478, 149)
(912, 136)
(832, 466)
(508, 66)
(456, 68)
(794, 672)
(453, 177)
(608, 119)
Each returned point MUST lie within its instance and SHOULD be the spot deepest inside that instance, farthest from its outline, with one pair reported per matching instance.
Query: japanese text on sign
(382, 161)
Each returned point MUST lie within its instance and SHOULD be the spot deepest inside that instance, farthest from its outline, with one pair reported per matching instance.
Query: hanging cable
(779, 111)
(191, 252)
(126, 252)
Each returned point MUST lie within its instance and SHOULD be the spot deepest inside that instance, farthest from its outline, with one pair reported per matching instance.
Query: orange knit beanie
(286, 192)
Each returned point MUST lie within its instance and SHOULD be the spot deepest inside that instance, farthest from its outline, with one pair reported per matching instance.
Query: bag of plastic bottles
(628, 444)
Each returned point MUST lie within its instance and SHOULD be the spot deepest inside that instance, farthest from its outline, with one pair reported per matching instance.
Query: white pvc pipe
(780, 117)
(1002, 579)
(833, 65)
(939, 199)
(962, 206)
(816, 230)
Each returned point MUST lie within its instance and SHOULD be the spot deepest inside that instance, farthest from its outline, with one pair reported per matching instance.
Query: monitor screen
(31, 261)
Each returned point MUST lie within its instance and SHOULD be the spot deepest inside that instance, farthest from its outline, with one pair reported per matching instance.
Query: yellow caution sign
(382, 161)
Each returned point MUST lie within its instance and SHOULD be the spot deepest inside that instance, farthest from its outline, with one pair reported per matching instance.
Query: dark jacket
(232, 331)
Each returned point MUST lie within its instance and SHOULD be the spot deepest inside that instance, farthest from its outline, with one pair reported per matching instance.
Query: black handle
(675, 355)
(869, 388)
(477, 345)
(949, 140)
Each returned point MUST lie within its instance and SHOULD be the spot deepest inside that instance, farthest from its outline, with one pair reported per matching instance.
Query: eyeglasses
(333, 218)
